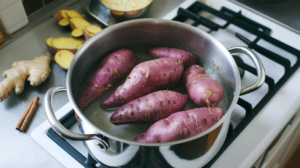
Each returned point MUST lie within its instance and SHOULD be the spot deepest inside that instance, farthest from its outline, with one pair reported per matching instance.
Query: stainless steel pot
(112, 145)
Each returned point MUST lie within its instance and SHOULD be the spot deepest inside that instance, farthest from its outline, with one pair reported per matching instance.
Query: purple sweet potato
(115, 66)
(145, 78)
(150, 108)
(178, 54)
(181, 125)
(203, 90)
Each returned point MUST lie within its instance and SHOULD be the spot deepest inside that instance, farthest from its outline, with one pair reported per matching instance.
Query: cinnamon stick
(25, 119)
(18, 127)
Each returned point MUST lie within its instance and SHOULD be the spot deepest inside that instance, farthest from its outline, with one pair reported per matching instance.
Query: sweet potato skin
(203, 90)
(181, 125)
(178, 54)
(58, 14)
(111, 70)
(50, 48)
(150, 108)
(87, 35)
(145, 78)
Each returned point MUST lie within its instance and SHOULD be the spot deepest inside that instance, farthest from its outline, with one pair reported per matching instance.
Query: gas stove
(254, 122)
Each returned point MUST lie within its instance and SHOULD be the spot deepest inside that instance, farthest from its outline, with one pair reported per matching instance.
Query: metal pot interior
(138, 35)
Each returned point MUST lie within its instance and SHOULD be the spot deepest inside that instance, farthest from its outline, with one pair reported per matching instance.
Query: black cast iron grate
(231, 17)
(67, 121)
(261, 32)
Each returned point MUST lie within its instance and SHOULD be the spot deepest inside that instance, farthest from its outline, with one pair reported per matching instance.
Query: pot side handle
(61, 130)
(261, 75)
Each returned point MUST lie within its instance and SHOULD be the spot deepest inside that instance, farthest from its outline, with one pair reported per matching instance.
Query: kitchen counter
(17, 148)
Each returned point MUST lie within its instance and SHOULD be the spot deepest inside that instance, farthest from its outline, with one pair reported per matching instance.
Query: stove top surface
(285, 12)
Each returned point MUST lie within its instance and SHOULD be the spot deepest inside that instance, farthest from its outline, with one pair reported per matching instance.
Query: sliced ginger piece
(64, 22)
(35, 71)
(67, 43)
(63, 58)
(77, 32)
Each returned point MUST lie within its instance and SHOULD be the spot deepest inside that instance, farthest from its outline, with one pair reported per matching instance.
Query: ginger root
(36, 71)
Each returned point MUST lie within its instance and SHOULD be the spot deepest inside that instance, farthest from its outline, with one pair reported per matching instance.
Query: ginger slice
(67, 43)
(64, 22)
(63, 58)
(77, 33)
(35, 71)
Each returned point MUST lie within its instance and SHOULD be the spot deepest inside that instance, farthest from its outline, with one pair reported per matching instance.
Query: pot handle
(261, 75)
(61, 130)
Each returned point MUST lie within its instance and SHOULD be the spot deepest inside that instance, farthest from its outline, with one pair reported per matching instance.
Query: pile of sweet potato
(144, 96)
(65, 48)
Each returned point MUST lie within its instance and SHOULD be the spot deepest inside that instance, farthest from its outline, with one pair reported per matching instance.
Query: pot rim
(231, 61)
